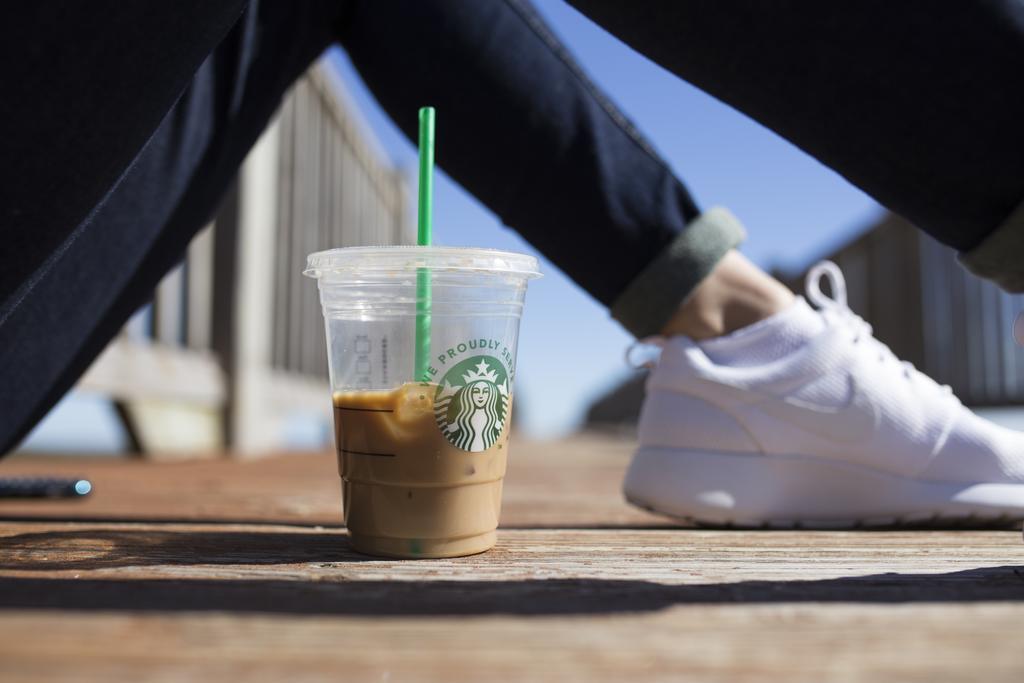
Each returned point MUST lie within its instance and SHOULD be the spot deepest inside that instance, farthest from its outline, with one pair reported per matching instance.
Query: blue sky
(570, 350)
(794, 209)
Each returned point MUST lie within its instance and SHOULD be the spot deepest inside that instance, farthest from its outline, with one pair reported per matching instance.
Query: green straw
(423, 239)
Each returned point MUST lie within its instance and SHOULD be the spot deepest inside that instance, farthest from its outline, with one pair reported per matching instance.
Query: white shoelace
(837, 313)
(648, 344)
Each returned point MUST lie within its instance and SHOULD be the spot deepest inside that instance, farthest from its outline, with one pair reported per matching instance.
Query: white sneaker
(837, 433)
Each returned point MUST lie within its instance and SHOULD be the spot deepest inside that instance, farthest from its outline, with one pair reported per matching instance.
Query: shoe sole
(778, 491)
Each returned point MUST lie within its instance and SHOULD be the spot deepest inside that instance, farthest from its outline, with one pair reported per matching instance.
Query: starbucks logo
(471, 403)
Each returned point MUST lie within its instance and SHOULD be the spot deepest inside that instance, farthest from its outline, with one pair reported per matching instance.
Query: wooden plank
(404, 229)
(125, 601)
(165, 430)
(341, 191)
(974, 389)
(957, 304)
(933, 310)
(776, 642)
(946, 332)
(350, 207)
(129, 370)
(169, 308)
(364, 198)
(329, 197)
(990, 330)
(309, 311)
(913, 349)
(704, 566)
(254, 293)
(1008, 309)
(199, 286)
(285, 211)
(300, 221)
(225, 278)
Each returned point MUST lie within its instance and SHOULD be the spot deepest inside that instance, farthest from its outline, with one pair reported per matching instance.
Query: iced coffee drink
(422, 447)
(422, 465)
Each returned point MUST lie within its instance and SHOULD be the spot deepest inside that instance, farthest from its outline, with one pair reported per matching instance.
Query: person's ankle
(734, 295)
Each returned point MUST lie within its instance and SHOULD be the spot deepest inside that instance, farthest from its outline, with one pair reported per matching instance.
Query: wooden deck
(238, 571)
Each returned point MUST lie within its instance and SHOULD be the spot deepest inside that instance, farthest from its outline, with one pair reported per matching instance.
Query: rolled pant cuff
(1000, 256)
(656, 293)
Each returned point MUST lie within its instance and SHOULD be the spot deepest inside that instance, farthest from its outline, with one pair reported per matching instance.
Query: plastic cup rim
(409, 258)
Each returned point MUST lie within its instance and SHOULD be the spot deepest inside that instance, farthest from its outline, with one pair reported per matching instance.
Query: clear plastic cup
(422, 458)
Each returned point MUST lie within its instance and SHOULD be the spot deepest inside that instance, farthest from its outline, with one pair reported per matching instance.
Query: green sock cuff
(656, 293)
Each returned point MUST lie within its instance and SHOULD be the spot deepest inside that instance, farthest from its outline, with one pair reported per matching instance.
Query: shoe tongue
(767, 340)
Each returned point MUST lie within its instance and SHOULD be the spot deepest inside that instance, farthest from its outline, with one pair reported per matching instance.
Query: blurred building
(233, 344)
(953, 326)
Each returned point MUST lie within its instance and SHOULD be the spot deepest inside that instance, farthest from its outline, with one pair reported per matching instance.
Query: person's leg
(131, 123)
(531, 137)
(84, 87)
(919, 106)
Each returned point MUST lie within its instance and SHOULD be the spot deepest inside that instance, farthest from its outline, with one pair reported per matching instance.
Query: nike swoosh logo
(853, 422)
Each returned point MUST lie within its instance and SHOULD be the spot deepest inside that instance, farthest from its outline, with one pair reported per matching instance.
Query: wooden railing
(233, 345)
(333, 193)
(967, 326)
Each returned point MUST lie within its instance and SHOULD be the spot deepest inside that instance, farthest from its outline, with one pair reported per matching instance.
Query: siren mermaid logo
(471, 404)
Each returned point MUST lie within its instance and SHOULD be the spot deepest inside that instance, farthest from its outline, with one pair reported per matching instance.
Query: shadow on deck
(323, 589)
(522, 597)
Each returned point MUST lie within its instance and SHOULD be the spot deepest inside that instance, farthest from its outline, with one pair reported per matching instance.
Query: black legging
(919, 104)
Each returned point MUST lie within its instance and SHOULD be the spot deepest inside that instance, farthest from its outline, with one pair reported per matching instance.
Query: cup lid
(402, 259)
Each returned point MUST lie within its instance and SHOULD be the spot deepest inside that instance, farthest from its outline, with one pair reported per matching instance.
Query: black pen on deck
(44, 487)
